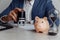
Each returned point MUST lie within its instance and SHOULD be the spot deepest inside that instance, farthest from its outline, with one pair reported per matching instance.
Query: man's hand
(12, 15)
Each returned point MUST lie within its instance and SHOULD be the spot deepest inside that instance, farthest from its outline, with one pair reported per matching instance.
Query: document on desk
(1, 27)
(27, 27)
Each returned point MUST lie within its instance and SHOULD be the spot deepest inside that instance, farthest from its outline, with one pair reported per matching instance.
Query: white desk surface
(21, 34)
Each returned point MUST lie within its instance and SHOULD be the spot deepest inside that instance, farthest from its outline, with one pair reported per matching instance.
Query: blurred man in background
(32, 9)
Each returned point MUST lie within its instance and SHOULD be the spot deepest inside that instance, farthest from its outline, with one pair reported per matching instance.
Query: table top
(22, 34)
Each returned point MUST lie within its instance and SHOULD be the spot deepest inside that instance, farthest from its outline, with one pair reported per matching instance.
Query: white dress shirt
(28, 9)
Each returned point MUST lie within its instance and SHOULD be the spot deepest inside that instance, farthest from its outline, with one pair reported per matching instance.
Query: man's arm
(50, 9)
(10, 13)
(7, 10)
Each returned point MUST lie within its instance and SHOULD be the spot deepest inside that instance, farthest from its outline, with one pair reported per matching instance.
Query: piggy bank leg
(37, 30)
(45, 32)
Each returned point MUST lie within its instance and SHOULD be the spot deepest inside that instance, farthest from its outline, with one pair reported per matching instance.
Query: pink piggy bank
(41, 24)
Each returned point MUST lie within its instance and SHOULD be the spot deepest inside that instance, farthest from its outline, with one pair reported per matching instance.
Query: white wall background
(5, 3)
(56, 4)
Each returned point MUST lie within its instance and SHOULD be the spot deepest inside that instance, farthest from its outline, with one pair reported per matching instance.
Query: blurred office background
(5, 3)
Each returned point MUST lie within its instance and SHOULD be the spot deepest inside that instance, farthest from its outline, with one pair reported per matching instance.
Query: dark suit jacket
(40, 8)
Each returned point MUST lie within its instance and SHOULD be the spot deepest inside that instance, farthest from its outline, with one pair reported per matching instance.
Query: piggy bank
(41, 24)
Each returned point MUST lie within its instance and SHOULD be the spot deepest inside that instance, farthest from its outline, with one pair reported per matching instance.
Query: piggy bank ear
(45, 18)
(36, 18)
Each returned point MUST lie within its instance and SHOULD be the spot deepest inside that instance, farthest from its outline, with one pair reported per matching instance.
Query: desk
(22, 34)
